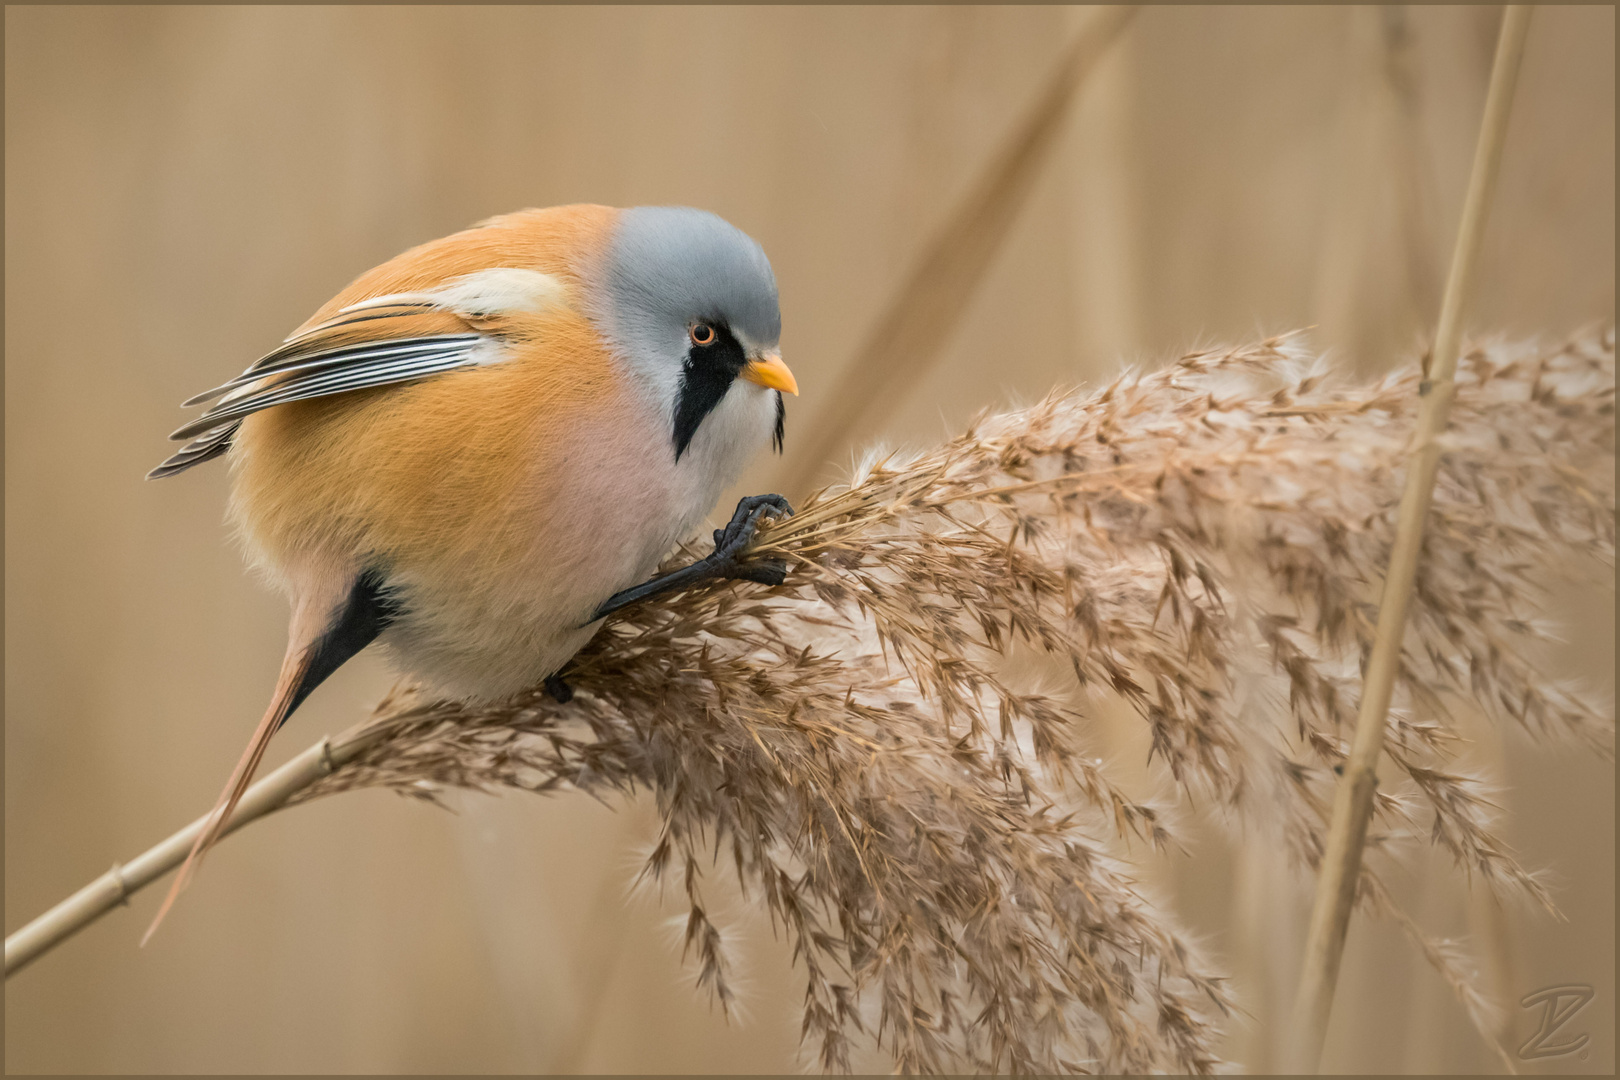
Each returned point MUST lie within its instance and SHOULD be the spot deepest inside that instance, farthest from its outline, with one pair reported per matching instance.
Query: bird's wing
(376, 342)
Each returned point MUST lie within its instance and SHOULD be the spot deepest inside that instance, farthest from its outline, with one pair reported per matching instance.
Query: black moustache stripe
(707, 375)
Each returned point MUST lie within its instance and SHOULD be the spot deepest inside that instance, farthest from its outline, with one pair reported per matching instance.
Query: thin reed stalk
(1340, 878)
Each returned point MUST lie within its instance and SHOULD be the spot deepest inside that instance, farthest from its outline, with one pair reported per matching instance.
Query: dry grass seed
(1205, 542)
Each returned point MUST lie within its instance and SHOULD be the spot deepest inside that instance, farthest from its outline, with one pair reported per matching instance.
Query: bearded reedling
(473, 452)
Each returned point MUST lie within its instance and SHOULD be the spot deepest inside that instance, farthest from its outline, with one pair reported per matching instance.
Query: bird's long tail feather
(293, 669)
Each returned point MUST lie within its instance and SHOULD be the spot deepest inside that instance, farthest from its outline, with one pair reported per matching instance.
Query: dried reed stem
(920, 318)
(117, 885)
(1353, 806)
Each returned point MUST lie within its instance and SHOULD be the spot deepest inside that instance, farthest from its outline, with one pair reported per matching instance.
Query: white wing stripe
(386, 370)
(497, 291)
(379, 372)
(335, 357)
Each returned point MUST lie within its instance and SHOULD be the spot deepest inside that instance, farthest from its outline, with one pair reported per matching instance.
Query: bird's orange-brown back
(406, 470)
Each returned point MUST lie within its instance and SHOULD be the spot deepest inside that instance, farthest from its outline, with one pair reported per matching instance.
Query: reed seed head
(1204, 542)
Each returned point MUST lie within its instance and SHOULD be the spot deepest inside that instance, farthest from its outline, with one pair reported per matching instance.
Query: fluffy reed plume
(1205, 543)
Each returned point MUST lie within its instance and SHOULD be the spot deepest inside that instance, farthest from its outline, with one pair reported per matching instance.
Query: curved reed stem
(117, 885)
(895, 751)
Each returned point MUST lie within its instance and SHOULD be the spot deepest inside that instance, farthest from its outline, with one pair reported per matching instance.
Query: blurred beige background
(185, 184)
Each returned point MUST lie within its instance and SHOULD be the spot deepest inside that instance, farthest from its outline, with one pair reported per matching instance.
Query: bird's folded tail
(288, 686)
(336, 614)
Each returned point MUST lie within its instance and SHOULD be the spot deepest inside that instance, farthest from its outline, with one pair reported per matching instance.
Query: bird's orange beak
(769, 371)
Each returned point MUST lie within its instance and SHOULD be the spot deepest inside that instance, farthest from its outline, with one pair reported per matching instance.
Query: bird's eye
(701, 334)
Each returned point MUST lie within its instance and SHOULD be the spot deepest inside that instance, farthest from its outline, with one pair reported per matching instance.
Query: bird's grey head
(689, 301)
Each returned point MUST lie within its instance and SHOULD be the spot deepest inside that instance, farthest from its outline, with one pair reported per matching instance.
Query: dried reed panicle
(1204, 542)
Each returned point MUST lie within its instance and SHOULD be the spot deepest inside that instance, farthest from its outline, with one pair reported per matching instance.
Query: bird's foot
(725, 561)
(558, 689)
(731, 541)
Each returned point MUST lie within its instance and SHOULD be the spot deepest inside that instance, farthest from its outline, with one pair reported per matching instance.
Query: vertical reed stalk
(1353, 803)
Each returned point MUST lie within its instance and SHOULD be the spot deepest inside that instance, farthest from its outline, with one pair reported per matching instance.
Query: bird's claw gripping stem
(731, 541)
(724, 562)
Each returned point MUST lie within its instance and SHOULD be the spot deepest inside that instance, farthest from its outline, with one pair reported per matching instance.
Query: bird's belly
(483, 621)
